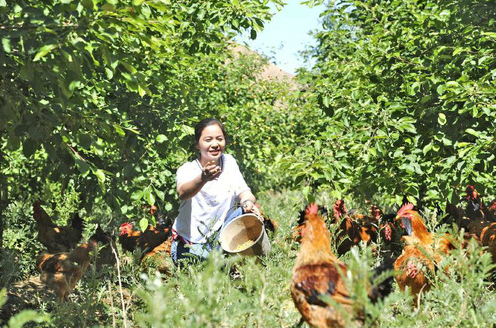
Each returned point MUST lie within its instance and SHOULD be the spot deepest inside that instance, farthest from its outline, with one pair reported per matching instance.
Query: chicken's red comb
(404, 208)
(471, 192)
(126, 224)
(312, 208)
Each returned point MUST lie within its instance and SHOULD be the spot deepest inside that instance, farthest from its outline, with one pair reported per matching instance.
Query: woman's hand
(249, 206)
(211, 171)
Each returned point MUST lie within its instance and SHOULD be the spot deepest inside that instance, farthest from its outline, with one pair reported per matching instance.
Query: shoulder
(228, 158)
(188, 166)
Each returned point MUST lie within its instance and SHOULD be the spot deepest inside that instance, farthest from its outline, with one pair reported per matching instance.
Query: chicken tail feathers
(77, 223)
(382, 280)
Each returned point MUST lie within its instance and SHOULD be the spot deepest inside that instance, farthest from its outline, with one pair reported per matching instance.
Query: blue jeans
(200, 251)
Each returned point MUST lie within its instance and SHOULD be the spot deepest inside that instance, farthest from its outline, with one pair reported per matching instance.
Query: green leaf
(27, 72)
(137, 195)
(119, 130)
(29, 147)
(43, 51)
(160, 194)
(426, 148)
(325, 101)
(149, 196)
(441, 119)
(6, 45)
(100, 175)
(143, 224)
(3, 297)
(161, 138)
(25, 316)
(253, 34)
(83, 166)
(473, 132)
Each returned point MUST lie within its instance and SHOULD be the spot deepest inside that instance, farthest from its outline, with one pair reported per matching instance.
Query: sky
(287, 34)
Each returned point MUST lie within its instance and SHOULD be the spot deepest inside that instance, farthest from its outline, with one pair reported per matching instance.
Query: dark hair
(203, 124)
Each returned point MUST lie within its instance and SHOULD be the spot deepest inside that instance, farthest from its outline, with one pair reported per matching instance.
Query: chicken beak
(407, 224)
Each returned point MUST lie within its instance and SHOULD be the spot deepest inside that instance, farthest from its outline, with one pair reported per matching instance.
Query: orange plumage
(421, 253)
(318, 274)
(61, 271)
(157, 257)
(154, 243)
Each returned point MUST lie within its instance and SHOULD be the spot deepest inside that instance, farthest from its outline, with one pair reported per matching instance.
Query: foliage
(203, 295)
(20, 246)
(104, 93)
(409, 91)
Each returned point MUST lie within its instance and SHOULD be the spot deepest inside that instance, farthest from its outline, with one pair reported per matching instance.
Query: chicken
(61, 271)
(421, 254)
(456, 215)
(296, 234)
(318, 274)
(487, 238)
(147, 240)
(492, 210)
(475, 208)
(56, 238)
(476, 217)
(353, 228)
(269, 224)
(153, 237)
(128, 237)
(391, 235)
(106, 242)
(158, 256)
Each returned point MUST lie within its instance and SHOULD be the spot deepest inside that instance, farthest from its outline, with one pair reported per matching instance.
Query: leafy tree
(409, 91)
(103, 93)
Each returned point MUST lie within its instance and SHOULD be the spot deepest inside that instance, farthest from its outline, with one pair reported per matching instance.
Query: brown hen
(56, 238)
(61, 271)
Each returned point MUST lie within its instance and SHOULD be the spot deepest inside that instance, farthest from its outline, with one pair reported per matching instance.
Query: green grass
(205, 295)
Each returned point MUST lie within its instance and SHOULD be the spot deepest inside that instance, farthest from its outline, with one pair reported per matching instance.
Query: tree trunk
(4, 199)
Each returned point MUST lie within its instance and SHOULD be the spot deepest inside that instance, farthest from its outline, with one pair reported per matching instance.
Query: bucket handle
(257, 215)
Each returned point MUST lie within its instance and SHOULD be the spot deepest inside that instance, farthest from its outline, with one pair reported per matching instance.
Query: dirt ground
(24, 295)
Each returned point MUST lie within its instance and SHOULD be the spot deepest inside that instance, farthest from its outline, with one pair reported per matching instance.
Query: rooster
(318, 274)
(57, 238)
(475, 207)
(296, 234)
(61, 271)
(421, 254)
(128, 237)
(353, 228)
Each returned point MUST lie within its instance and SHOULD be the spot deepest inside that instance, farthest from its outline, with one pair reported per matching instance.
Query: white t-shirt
(202, 215)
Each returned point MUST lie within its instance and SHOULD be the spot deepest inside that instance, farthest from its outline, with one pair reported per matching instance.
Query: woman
(209, 188)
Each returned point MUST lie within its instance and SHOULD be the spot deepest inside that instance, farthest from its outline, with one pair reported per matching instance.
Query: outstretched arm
(189, 189)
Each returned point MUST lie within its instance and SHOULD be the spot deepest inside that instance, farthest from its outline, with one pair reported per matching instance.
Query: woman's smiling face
(212, 143)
